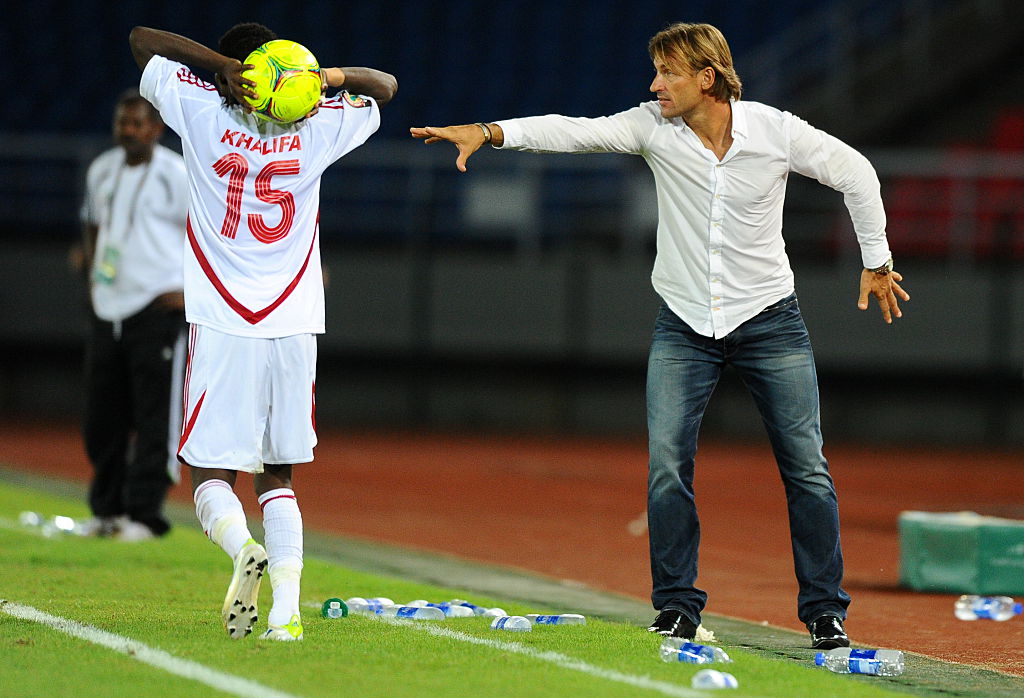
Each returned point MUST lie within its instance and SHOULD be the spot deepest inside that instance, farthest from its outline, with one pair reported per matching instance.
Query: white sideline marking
(562, 660)
(227, 683)
(556, 658)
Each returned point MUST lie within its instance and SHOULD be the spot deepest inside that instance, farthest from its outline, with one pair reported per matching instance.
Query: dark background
(517, 298)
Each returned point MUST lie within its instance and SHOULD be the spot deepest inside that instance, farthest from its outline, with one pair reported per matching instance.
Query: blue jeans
(772, 353)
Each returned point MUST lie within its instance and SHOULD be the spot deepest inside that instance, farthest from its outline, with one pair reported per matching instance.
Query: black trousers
(128, 376)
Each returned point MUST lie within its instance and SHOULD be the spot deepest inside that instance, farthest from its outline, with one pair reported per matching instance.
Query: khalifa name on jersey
(278, 144)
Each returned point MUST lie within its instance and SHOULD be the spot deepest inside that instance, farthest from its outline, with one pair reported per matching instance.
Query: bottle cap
(1018, 609)
(334, 608)
(819, 659)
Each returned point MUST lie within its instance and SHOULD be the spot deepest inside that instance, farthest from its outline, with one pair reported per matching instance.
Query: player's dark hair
(131, 97)
(243, 38)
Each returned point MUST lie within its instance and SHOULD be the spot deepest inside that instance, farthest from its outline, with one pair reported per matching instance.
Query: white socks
(282, 524)
(222, 516)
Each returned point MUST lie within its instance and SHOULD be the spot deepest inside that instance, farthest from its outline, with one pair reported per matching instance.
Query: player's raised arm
(147, 42)
(373, 83)
(468, 138)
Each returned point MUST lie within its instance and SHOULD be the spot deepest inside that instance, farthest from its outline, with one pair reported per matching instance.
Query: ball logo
(355, 100)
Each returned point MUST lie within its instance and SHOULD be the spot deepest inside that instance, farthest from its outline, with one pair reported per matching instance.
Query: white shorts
(248, 401)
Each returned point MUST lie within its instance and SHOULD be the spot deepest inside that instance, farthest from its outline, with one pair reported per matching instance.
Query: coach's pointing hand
(468, 138)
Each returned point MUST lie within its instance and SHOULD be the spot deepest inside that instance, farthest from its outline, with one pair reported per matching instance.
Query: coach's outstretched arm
(146, 43)
(468, 138)
(363, 81)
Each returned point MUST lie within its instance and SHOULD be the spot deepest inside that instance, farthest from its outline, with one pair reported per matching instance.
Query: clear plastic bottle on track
(709, 678)
(513, 623)
(843, 660)
(358, 604)
(413, 612)
(971, 607)
(677, 649)
(560, 619)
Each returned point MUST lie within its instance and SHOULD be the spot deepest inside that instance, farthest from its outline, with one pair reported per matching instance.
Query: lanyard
(115, 190)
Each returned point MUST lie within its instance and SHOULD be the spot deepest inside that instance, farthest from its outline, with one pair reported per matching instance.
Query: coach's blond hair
(699, 46)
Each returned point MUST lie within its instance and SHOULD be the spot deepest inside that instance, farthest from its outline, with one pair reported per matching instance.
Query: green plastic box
(961, 552)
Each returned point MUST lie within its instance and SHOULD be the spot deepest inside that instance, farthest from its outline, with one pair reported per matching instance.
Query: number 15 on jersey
(237, 167)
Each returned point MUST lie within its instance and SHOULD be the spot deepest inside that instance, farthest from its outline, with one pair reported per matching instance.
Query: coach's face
(679, 90)
(136, 130)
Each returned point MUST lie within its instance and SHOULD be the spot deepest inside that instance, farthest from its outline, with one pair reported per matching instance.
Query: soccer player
(720, 166)
(133, 218)
(254, 295)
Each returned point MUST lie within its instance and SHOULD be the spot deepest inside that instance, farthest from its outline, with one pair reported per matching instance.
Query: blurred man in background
(133, 216)
(720, 166)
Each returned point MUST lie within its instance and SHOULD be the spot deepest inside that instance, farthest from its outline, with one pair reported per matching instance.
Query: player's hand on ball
(239, 87)
(467, 138)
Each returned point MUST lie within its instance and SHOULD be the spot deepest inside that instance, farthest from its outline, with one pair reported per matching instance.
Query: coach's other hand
(884, 288)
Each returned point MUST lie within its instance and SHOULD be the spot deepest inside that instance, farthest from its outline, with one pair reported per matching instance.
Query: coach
(721, 166)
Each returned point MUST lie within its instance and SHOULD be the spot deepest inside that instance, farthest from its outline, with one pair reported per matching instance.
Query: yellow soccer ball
(288, 81)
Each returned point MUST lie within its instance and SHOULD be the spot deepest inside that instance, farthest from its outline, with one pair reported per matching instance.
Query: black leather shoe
(673, 623)
(827, 633)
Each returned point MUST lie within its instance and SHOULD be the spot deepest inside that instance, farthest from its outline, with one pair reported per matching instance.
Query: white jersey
(252, 253)
(139, 212)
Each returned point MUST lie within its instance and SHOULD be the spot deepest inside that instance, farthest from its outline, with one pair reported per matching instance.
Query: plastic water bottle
(450, 610)
(413, 612)
(677, 649)
(709, 678)
(970, 607)
(495, 612)
(514, 623)
(560, 619)
(334, 608)
(358, 604)
(843, 660)
(453, 611)
(31, 519)
(477, 610)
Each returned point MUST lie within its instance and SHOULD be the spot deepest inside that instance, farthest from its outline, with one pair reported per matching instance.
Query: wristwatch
(884, 269)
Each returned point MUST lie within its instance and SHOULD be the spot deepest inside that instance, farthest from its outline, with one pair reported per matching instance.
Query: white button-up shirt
(721, 257)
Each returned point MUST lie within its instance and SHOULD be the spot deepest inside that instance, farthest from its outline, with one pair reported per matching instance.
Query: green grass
(167, 594)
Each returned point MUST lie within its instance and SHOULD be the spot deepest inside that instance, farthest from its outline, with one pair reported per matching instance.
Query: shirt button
(716, 308)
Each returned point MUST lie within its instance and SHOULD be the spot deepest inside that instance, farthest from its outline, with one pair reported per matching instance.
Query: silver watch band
(884, 269)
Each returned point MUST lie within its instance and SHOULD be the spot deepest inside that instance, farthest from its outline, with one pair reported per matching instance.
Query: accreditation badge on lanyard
(109, 260)
(105, 271)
